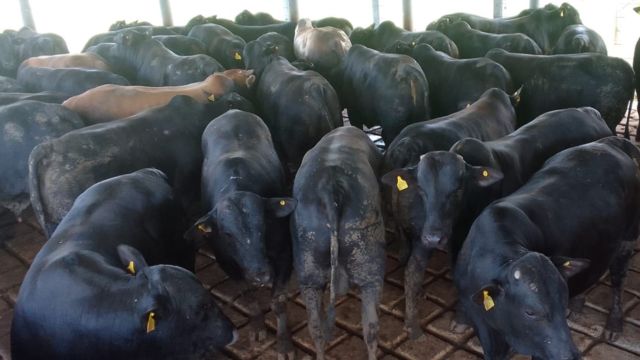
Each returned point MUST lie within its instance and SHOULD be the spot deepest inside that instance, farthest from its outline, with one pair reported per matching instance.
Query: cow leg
(258, 330)
(279, 307)
(576, 305)
(618, 271)
(370, 299)
(413, 278)
(459, 324)
(313, 302)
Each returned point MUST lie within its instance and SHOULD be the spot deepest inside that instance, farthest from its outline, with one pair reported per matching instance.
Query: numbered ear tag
(487, 301)
(151, 322)
(132, 267)
(401, 184)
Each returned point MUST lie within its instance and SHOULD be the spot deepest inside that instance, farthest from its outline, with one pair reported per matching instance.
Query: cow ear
(201, 230)
(487, 296)
(280, 207)
(131, 259)
(485, 176)
(569, 267)
(401, 179)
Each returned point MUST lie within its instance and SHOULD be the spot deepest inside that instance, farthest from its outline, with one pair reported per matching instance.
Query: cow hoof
(414, 331)
(458, 328)
(611, 336)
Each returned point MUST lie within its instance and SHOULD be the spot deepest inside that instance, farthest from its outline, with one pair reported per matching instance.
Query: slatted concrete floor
(19, 243)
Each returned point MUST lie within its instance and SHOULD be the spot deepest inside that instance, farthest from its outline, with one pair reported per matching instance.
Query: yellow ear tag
(401, 184)
(488, 301)
(151, 322)
(561, 13)
(211, 98)
(283, 203)
(131, 267)
(237, 56)
(485, 173)
(567, 264)
(204, 228)
(413, 43)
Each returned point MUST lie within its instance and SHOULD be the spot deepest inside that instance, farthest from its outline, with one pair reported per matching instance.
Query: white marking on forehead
(517, 274)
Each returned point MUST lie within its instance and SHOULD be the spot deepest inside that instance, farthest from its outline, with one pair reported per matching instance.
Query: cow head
(527, 305)
(236, 229)
(442, 178)
(173, 314)
(362, 36)
(257, 55)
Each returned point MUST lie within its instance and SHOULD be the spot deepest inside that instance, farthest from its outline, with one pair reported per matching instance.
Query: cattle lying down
(324, 47)
(90, 294)
(221, 44)
(552, 82)
(84, 60)
(23, 125)
(383, 89)
(527, 253)
(298, 106)
(45, 96)
(243, 184)
(70, 81)
(459, 183)
(383, 37)
(167, 138)
(338, 231)
(456, 83)
(578, 39)
(491, 117)
(543, 25)
(111, 102)
(474, 43)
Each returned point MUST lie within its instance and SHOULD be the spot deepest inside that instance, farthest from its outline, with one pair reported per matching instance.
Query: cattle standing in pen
(243, 189)
(527, 253)
(89, 293)
(338, 231)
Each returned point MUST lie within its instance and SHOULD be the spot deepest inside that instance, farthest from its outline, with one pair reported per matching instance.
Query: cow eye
(530, 313)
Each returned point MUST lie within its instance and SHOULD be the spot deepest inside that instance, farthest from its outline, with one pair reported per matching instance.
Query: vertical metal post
(376, 11)
(497, 9)
(534, 4)
(407, 16)
(27, 17)
(293, 10)
(166, 13)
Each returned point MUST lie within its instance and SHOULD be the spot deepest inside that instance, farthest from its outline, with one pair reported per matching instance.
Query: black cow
(8, 58)
(167, 138)
(248, 33)
(383, 89)
(45, 96)
(29, 43)
(243, 184)
(110, 36)
(491, 117)
(527, 253)
(68, 81)
(602, 82)
(544, 25)
(220, 44)
(474, 43)
(384, 36)
(578, 39)
(182, 44)
(336, 22)
(298, 106)
(636, 70)
(281, 44)
(123, 24)
(23, 125)
(257, 19)
(456, 83)
(338, 231)
(145, 61)
(90, 294)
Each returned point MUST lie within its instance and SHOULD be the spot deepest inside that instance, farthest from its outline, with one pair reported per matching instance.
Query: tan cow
(84, 60)
(325, 47)
(111, 102)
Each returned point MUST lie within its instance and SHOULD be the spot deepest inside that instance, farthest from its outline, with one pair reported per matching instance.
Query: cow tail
(331, 207)
(35, 159)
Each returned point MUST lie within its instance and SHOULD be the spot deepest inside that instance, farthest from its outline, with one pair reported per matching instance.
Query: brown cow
(85, 60)
(111, 102)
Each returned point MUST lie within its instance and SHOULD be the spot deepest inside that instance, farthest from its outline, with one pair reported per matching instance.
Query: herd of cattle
(155, 141)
